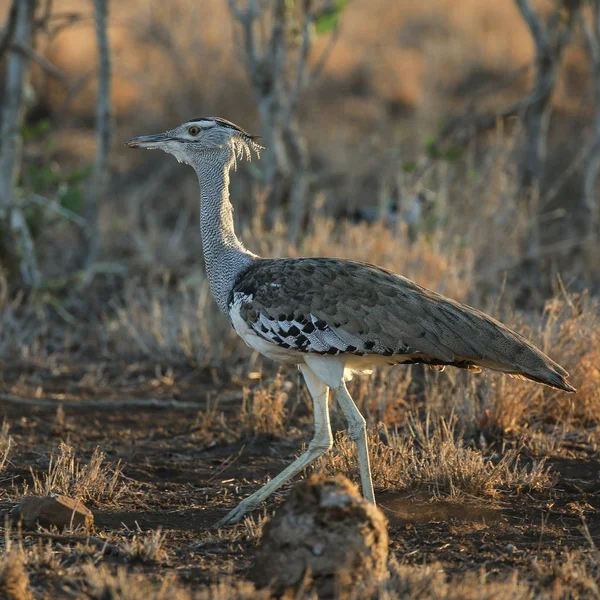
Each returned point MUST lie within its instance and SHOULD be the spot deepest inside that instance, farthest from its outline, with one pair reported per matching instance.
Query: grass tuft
(430, 457)
(14, 580)
(263, 409)
(146, 547)
(93, 482)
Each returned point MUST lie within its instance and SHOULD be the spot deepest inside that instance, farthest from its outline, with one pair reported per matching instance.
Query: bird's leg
(357, 431)
(321, 442)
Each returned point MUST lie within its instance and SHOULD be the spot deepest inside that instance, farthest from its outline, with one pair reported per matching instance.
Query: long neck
(224, 255)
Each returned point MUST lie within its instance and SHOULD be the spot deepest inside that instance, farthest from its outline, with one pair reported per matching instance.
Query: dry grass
(14, 579)
(178, 325)
(146, 547)
(5, 443)
(263, 409)
(432, 581)
(103, 583)
(432, 458)
(93, 482)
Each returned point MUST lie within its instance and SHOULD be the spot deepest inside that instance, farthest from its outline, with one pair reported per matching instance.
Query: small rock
(327, 531)
(511, 548)
(52, 511)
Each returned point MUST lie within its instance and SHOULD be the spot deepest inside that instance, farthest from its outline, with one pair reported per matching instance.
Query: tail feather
(550, 374)
(553, 380)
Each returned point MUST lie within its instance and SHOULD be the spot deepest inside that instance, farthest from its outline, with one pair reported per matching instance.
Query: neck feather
(224, 254)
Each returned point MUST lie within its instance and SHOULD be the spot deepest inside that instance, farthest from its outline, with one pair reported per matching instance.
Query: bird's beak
(148, 141)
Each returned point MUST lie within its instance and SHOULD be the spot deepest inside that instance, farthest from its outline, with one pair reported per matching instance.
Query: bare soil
(183, 480)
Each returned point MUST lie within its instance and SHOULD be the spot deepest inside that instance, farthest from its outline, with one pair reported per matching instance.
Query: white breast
(252, 339)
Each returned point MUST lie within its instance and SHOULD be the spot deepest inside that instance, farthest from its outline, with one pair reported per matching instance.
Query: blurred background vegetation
(454, 142)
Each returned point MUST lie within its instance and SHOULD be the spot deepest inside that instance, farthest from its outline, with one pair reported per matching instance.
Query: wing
(333, 306)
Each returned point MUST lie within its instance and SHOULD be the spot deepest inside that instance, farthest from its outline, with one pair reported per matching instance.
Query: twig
(300, 82)
(43, 62)
(54, 206)
(590, 215)
(246, 19)
(537, 31)
(103, 404)
(104, 545)
(318, 68)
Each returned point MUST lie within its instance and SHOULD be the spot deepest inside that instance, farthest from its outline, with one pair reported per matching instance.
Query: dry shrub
(5, 444)
(173, 325)
(572, 335)
(92, 482)
(491, 405)
(42, 557)
(102, 583)
(232, 590)
(430, 457)
(447, 269)
(382, 397)
(212, 424)
(146, 547)
(263, 409)
(14, 580)
(263, 412)
(248, 530)
(431, 581)
(576, 575)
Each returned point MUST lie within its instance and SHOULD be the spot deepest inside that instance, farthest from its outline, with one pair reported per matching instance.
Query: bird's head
(197, 140)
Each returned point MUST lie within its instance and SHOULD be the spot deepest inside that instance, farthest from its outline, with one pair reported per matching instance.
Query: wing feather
(333, 306)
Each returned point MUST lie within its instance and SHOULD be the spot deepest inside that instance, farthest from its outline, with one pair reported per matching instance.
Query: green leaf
(431, 147)
(43, 177)
(453, 153)
(328, 18)
(79, 175)
(35, 130)
(408, 166)
(71, 198)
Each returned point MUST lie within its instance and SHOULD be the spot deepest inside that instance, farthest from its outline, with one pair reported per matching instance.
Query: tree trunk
(103, 130)
(17, 246)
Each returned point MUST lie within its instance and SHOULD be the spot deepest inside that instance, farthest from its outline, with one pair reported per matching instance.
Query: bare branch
(302, 63)
(9, 30)
(237, 13)
(533, 22)
(590, 215)
(43, 62)
(54, 206)
(246, 19)
(590, 39)
(277, 46)
(318, 68)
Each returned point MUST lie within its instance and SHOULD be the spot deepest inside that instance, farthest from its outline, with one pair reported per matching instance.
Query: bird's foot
(237, 513)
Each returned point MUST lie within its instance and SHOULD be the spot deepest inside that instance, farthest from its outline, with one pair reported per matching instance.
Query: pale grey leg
(357, 431)
(321, 442)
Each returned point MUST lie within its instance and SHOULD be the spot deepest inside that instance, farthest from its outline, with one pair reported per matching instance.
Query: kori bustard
(330, 316)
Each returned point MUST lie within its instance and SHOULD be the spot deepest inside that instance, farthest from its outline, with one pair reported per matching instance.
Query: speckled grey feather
(339, 306)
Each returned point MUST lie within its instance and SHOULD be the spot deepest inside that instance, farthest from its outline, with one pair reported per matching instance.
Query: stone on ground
(52, 511)
(327, 534)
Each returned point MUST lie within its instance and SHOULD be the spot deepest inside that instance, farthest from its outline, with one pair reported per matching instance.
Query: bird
(330, 317)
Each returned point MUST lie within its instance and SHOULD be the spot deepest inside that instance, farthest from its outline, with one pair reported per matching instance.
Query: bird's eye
(193, 130)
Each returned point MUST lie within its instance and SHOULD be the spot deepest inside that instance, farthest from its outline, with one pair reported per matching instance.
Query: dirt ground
(181, 478)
